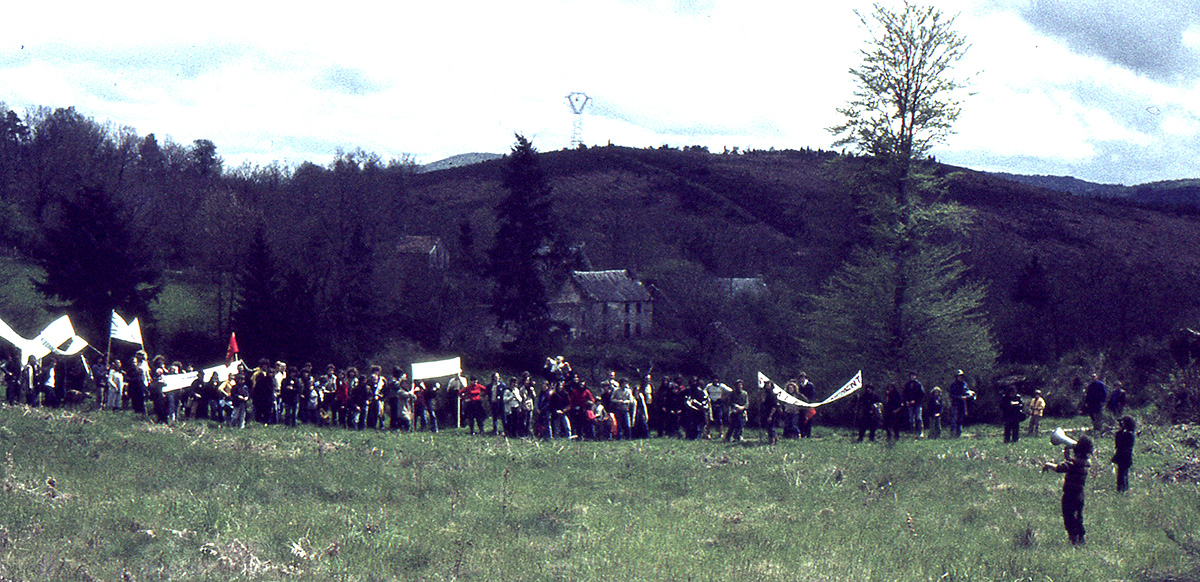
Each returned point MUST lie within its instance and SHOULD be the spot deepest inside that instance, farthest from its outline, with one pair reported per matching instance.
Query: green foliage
(93, 263)
(904, 102)
(198, 501)
(520, 261)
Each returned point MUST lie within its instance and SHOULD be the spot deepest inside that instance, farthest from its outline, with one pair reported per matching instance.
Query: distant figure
(1037, 407)
(1123, 458)
(870, 412)
(959, 394)
(1117, 401)
(1013, 412)
(1094, 397)
(738, 402)
(914, 397)
(893, 412)
(1076, 469)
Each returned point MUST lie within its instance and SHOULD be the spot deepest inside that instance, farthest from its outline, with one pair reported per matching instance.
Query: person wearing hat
(959, 395)
(1037, 407)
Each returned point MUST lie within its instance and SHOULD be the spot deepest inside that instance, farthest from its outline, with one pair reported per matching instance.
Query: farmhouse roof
(615, 286)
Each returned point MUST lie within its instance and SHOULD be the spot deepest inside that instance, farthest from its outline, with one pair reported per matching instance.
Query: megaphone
(1059, 438)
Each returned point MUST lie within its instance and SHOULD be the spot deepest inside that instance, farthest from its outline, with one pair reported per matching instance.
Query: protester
(914, 397)
(738, 403)
(1094, 398)
(959, 394)
(1123, 458)
(114, 386)
(1037, 407)
(807, 392)
(933, 412)
(771, 411)
(893, 412)
(870, 413)
(471, 397)
(1117, 401)
(1075, 468)
(623, 407)
(1012, 412)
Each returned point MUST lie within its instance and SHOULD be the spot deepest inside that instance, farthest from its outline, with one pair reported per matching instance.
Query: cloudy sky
(1104, 90)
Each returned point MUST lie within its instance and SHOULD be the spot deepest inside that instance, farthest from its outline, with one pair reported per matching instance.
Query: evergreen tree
(519, 258)
(94, 264)
(258, 318)
(903, 300)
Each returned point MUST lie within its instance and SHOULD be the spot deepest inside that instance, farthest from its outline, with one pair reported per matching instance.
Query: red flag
(232, 353)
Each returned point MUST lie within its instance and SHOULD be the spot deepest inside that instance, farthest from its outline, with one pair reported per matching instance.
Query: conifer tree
(518, 260)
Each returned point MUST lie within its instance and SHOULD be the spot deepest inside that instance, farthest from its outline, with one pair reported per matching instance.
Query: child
(1076, 469)
(1037, 407)
(1124, 455)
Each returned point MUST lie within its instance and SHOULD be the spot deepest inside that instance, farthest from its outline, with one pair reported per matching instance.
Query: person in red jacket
(472, 399)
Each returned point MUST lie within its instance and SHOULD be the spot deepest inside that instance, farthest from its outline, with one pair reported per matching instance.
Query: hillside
(1108, 272)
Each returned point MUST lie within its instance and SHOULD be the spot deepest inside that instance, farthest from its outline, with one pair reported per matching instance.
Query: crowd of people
(558, 404)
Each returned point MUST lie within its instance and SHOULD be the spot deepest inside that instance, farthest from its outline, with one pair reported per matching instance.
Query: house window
(637, 328)
(626, 330)
(639, 308)
(626, 310)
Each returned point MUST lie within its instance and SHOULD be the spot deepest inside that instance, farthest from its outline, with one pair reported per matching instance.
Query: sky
(1102, 90)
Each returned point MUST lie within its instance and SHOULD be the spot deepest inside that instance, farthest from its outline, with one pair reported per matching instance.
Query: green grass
(198, 501)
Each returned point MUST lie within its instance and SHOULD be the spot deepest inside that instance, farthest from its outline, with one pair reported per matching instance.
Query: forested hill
(306, 262)
(1066, 272)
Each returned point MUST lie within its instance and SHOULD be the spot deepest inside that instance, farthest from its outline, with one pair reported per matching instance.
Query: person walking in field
(870, 412)
(1075, 468)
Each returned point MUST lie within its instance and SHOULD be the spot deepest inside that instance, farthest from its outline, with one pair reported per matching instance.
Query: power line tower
(577, 101)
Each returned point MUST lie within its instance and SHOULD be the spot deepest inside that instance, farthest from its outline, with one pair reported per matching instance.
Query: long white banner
(438, 369)
(780, 394)
(173, 382)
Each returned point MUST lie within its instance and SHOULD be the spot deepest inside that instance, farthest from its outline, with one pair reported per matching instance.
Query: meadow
(109, 496)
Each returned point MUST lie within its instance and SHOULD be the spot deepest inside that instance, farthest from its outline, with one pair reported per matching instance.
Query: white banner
(787, 399)
(127, 332)
(59, 332)
(438, 369)
(173, 382)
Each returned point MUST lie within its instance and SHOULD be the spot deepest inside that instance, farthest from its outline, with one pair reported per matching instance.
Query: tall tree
(519, 258)
(94, 263)
(904, 299)
(906, 98)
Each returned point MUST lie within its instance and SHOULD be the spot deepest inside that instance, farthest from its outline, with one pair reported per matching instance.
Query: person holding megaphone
(1075, 468)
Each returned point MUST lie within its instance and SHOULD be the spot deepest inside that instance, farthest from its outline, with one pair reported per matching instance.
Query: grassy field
(105, 495)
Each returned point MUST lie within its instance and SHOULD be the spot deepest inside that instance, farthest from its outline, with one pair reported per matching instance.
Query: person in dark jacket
(1094, 397)
(870, 412)
(914, 398)
(1075, 468)
(1123, 458)
(893, 412)
(1012, 410)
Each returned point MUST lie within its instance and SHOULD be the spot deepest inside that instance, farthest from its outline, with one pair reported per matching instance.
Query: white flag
(438, 369)
(51, 339)
(127, 332)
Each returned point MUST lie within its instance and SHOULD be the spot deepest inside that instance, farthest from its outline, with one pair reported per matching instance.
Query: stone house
(604, 305)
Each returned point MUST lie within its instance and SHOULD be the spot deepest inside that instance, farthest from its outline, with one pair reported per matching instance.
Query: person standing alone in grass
(1123, 458)
(1075, 468)
(1037, 407)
